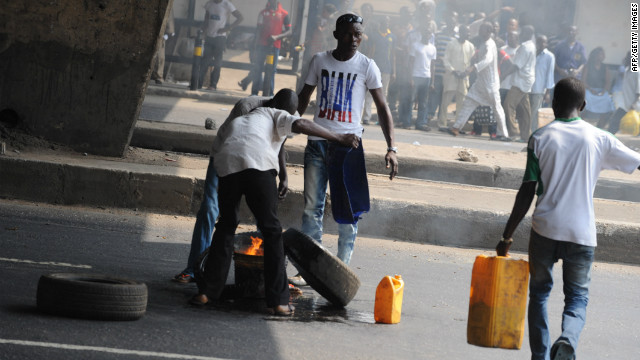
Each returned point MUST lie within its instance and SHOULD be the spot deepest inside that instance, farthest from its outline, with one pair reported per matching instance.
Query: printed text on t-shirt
(336, 95)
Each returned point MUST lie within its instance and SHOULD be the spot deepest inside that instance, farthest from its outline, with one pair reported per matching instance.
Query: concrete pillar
(75, 72)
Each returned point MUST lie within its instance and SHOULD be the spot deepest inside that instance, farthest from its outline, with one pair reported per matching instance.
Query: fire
(254, 249)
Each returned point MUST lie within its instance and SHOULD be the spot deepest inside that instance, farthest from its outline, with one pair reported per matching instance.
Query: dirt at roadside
(18, 141)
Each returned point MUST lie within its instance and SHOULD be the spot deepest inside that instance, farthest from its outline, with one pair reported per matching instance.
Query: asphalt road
(194, 112)
(37, 239)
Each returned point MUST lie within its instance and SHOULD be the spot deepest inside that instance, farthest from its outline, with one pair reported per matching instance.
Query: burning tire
(323, 271)
(91, 296)
(241, 242)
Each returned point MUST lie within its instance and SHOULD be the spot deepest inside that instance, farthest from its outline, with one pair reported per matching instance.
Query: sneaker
(183, 278)
(243, 85)
(423, 128)
(562, 350)
(297, 280)
(493, 136)
(365, 122)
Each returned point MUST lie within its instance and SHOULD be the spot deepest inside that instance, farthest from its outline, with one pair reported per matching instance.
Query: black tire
(91, 296)
(323, 271)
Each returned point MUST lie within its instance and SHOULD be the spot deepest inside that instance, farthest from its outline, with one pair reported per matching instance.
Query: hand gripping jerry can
(497, 302)
(388, 306)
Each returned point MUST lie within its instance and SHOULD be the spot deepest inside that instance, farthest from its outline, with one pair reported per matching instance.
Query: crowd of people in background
(430, 58)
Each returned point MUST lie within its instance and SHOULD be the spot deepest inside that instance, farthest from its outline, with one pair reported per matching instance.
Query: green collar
(570, 120)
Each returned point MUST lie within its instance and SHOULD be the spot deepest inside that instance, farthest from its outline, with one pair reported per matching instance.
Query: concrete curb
(149, 188)
(224, 97)
(193, 139)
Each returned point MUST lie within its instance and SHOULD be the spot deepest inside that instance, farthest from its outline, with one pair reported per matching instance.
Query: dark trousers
(212, 56)
(393, 95)
(614, 120)
(266, 81)
(435, 96)
(261, 194)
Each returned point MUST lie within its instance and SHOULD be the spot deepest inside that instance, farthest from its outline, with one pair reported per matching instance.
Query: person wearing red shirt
(271, 22)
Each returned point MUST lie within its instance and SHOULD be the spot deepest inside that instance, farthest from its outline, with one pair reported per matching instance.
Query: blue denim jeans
(261, 53)
(316, 178)
(205, 219)
(576, 276)
(421, 91)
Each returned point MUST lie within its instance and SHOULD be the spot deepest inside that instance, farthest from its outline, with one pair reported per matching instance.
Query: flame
(255, 249)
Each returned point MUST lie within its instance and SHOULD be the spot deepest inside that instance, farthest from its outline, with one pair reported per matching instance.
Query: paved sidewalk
(404, 209)
(193, 139)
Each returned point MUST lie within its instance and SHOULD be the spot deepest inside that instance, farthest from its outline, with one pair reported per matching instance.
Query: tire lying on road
(323, 271)
(91, 296)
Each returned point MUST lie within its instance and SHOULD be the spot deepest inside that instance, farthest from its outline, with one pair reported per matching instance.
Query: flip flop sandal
(278, 312)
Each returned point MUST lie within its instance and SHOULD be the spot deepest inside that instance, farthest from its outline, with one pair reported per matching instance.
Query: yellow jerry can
(388, 305)
(497, 302)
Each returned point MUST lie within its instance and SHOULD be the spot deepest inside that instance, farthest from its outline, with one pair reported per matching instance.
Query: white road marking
(105, 350)
(51, 263)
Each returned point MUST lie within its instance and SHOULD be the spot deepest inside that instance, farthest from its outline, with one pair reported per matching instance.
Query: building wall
(74, 71)
(606, 24)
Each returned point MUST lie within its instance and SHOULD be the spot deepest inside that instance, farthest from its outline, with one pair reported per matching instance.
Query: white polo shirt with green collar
(565, 158)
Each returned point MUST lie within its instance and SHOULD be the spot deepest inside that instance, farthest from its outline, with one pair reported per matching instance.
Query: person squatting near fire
(208, 212)
(343, 76)
(564, 161)
(245, 158)
(486, 89)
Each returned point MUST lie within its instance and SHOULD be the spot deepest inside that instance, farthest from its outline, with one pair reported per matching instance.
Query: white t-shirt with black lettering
(340, 92)
(565, 158)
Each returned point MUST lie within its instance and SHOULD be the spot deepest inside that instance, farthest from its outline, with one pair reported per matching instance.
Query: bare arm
(304, 126)
(386, 123)
(282, 36)
(304, 97)
(239, 19)
(283, 187)
(560, 70)
(524, 198)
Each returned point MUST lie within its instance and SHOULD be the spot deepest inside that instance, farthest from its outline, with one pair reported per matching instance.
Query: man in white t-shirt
(421, 54)
(208, 212)
(564, 161)
(245, 156)
(342, 77)
(216, 30)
